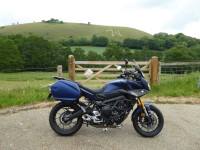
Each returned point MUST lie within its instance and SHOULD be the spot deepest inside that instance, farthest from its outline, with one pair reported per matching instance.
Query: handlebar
(128, 74)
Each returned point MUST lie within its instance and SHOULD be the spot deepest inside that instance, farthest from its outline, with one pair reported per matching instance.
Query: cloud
(151, 16)
(185, 13)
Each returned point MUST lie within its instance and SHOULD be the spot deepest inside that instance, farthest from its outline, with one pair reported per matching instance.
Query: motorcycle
(106, 107)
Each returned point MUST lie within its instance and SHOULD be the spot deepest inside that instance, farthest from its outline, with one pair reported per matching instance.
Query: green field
(98, 50)
(73, 30)
(27, 87)
(23, 88)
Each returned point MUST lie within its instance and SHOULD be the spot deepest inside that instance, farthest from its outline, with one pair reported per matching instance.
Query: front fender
(139, 109)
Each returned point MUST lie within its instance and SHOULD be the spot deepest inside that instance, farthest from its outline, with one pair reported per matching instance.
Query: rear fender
(139, 110)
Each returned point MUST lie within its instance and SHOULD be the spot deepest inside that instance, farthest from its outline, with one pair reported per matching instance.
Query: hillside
(52, 31)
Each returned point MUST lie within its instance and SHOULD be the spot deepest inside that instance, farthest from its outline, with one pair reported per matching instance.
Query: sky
(151, 16)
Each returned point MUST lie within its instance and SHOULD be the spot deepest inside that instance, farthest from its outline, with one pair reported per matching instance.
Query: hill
(54, 31)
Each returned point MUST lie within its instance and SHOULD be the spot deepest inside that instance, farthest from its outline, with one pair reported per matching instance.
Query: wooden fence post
(159, 72)
(59, 70)
(154, 70)
(71, 67)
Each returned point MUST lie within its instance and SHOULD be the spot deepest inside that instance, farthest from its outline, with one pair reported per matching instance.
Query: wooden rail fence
(103, 71)
(74, 67)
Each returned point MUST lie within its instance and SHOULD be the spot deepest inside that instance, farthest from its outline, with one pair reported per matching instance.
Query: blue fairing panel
(65, 91)
(122, 84)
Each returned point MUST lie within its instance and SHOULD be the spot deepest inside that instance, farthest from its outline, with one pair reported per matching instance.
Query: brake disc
(145, 123)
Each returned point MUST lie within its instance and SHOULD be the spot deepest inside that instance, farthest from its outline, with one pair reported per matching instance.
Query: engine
(116, 110)
(109, 112)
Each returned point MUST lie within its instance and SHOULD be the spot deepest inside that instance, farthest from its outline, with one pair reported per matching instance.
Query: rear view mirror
(126, 61)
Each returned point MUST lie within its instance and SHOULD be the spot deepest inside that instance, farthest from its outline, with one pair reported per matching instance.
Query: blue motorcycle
(106, 107)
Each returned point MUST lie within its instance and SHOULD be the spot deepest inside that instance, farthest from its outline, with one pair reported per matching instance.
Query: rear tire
(58, 119)
(146, 129)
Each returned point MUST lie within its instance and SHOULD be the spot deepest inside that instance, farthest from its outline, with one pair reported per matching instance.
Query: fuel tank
(122, 84)
(65, 91)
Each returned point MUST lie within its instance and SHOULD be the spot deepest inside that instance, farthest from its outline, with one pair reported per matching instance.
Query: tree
(113, 51)
(156, 44)
(63, 42)
(127, 42)
(102, 41)
(99, 41)
(131, 43)
(79, 54)
(36, 52)
(127, 54)
(144, 41)
(10, 57)
(94, 40)
(60, 55)
(117, 42)
(178, 53)
(170, 41)
(83, 41)
(19, 41)
(93, 56)
(183, 38)
(196, 49)
(161, 35)
(52, 20)
(146, 54)
(71, 42)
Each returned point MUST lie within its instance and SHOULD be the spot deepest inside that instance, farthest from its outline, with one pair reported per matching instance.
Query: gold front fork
(140, 102)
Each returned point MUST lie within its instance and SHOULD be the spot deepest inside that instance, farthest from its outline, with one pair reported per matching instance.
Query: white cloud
(152, 16)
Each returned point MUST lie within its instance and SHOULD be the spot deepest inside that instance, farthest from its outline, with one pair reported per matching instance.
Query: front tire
(58, 119)
(146, 129)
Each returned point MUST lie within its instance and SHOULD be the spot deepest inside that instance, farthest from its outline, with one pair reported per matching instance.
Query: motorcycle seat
(93, 91)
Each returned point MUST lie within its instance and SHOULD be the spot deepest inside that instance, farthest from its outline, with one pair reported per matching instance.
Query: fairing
(123, 84)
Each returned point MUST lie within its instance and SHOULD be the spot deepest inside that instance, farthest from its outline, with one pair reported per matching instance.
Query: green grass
(27, 87)
(186, 86)
(74, 30)
(98, 50)
(24, 88)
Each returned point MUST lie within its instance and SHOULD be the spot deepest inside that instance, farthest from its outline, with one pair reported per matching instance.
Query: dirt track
(30, 130)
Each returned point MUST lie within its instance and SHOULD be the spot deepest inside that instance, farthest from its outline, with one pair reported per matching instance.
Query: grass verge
(27, 88)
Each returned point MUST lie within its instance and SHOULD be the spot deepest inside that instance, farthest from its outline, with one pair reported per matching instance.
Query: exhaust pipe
(76, 114)
(80, 113)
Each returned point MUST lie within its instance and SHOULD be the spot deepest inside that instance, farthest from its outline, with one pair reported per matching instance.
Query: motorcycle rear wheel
(146, 129)
(58, 119)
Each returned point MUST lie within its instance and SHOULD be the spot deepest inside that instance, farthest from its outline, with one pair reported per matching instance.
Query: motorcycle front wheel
(59, 122)
(146, 128)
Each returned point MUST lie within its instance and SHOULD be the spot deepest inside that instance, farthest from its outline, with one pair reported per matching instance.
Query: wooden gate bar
(109, 62)
(97, 73)
(109, 66)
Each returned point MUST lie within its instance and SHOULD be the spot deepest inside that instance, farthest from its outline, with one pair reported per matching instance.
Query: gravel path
(30, 130)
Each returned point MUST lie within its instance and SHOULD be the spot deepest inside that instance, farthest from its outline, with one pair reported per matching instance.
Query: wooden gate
(104, 71)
